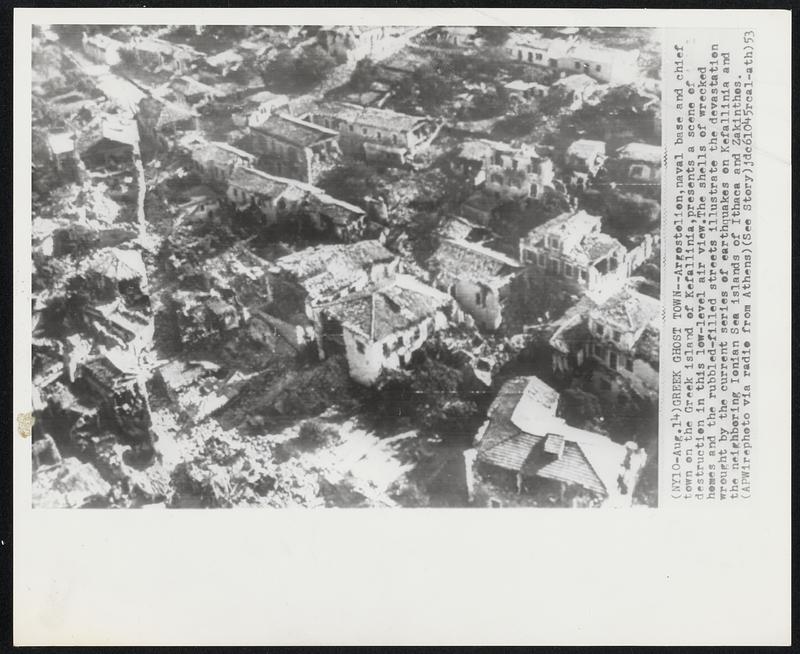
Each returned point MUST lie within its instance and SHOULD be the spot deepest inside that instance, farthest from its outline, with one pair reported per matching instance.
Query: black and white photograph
(274, 259)
(345, 266)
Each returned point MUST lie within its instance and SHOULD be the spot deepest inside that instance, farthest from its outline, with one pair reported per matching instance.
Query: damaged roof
(379, 312)
(629, 310)
(457, 260)
(220, 153)
(258, 182)
(337, 257)
(354, 114)
(523, 435)
(294, 131)
(579, 236)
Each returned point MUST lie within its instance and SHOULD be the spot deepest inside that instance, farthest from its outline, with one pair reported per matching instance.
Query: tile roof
(258, 182)
(370, 116)
(523, 435)
(313, 261)
(381, 311)
(293, 130)
(220, 153)
(629, 310)
(455, 260)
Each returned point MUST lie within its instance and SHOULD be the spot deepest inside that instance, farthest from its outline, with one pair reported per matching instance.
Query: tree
(364, 74)
(630, 213)
(351, 183)
(581, 409)
(494, 35)
(314, 64)
(289, 71)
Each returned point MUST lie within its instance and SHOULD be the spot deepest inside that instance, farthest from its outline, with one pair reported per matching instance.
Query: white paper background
(710, 575)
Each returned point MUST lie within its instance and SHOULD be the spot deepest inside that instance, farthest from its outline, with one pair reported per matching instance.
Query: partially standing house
(376, 134)
(620, 334)
(523, 445)
(160, 120)
(260, 106)
(477, 277)
(574, 89)
(572, 246)
(305, 281)
(295, 148)
(505, 172)
(382, 326)
(585, 158)
(271, 196)
(216, 161)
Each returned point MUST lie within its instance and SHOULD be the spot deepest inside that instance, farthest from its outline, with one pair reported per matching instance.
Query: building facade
(376, 134)
(573, 247)
(290, 147)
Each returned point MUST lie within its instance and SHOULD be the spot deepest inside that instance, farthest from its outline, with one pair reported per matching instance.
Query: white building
(572, 246)
(376, 133)
(506, 172)
(621, 333)
(385, 324)
(570, 55)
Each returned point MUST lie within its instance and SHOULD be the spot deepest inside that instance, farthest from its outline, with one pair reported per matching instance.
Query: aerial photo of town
(345, 266)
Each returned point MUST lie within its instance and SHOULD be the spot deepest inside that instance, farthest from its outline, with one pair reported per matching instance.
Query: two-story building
(295, 148)
(382, 326)
(377, 134)
(476, 276)
(275, 197)
(621, 334)
(572, 247)
(271, 196)
(505, 172)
